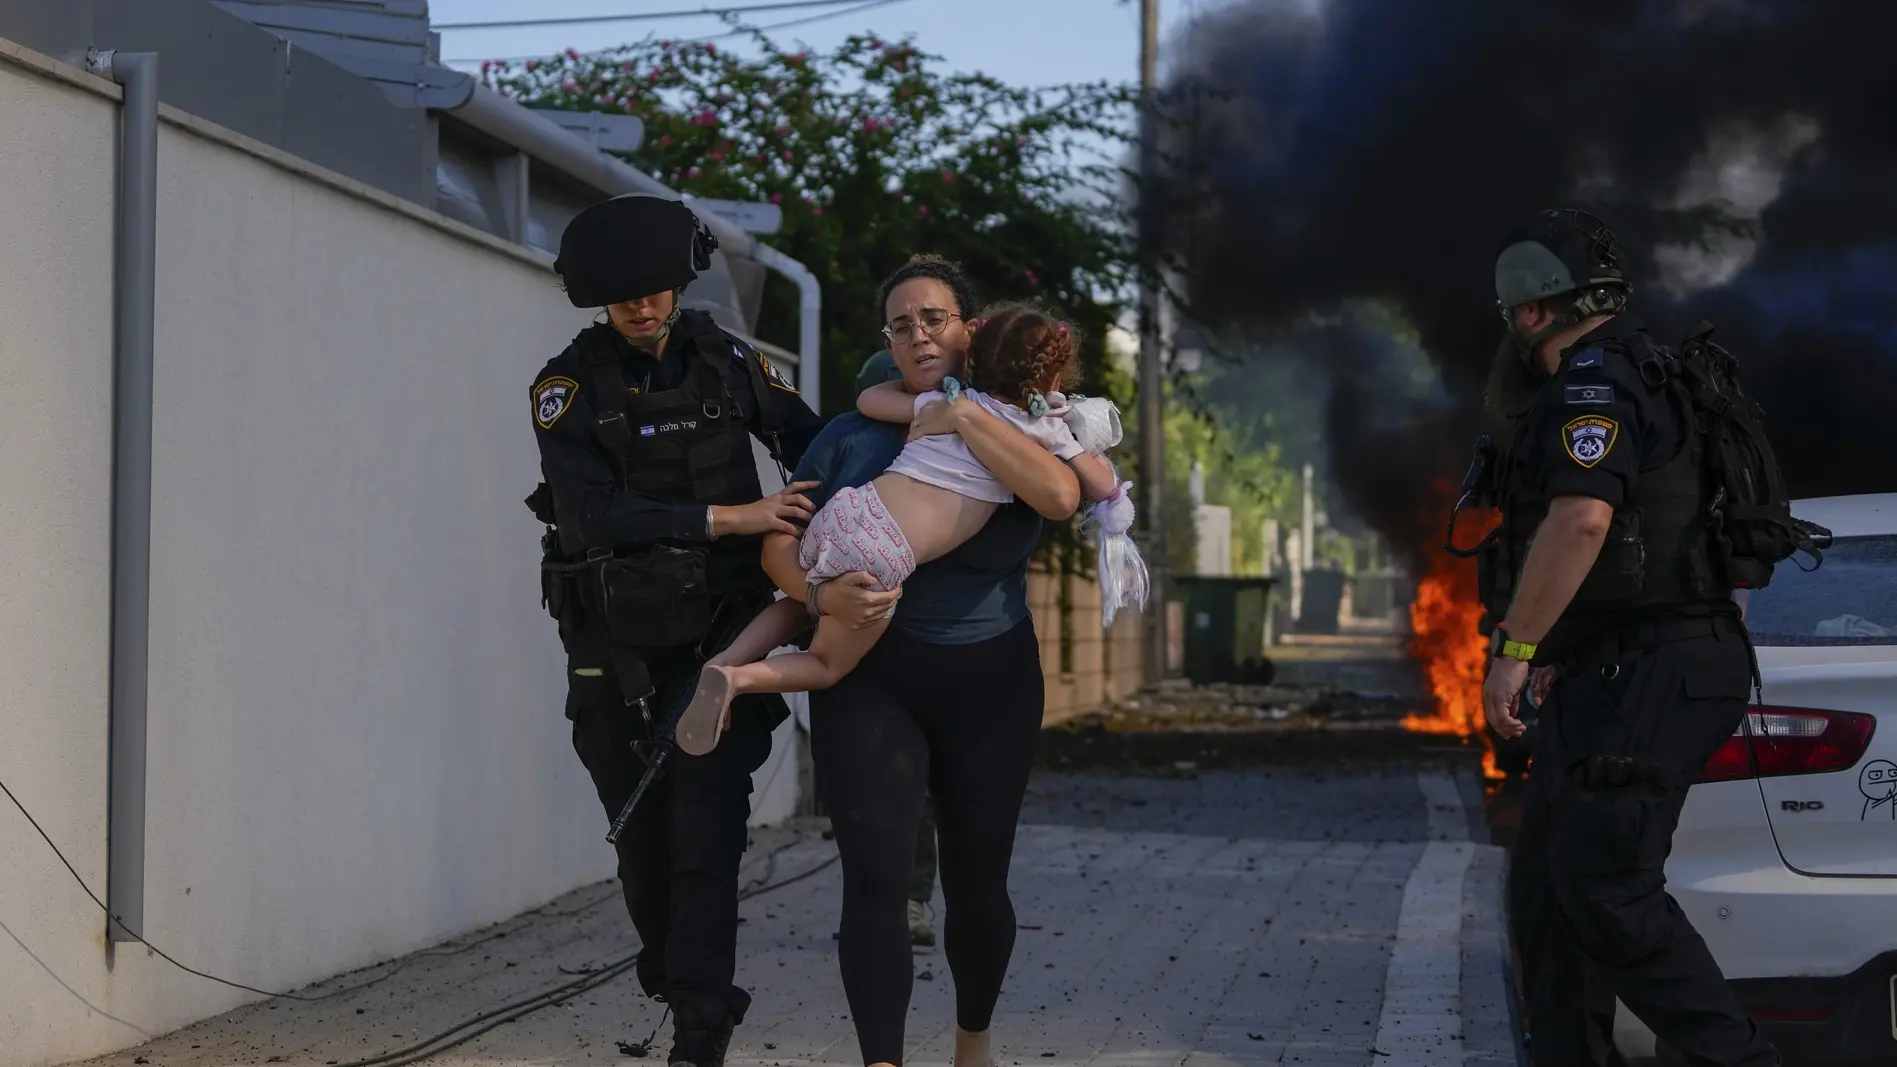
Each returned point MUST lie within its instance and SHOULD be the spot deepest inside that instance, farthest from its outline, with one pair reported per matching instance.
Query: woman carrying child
(944, 695)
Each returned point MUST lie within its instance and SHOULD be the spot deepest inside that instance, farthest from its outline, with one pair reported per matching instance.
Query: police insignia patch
(551, 399)
(1589, 438)
(1589, 358)
(773, 375)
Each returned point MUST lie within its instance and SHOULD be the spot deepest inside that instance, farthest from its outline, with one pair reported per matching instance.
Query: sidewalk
(1245, 917)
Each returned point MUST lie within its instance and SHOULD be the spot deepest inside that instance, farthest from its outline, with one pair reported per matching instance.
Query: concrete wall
(1085, 667)
(356, 742)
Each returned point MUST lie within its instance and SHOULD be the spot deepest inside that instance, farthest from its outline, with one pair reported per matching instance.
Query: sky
(1022, 42)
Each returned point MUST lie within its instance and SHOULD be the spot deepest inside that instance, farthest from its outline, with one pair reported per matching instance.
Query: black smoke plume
(1329, 151)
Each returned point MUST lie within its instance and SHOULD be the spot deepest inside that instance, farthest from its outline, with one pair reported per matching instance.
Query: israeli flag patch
(1588, 394)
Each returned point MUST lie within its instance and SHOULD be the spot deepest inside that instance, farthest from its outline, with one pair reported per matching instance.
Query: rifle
(1475, 493)
(728, 621)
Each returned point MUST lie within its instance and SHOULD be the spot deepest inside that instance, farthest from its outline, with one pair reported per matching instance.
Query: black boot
(701, 1030)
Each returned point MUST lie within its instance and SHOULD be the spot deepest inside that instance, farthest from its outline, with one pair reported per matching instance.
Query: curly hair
(946, 271)
(1019, 349)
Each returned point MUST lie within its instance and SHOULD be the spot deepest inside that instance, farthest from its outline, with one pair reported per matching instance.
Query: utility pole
(1152, 436)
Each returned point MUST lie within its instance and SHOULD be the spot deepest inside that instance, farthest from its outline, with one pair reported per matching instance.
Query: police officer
(1601, 582)
(644, 424)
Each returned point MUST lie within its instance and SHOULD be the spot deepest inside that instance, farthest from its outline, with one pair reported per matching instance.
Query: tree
(874, 156)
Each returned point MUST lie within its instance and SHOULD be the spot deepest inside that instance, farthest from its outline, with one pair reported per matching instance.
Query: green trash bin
(1224, 623)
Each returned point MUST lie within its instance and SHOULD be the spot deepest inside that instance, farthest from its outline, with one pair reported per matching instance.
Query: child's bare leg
(774, 627)
(702, 722)
(834, 652)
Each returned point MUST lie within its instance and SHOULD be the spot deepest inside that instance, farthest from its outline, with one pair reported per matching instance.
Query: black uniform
(634, 488)
(1654, 671)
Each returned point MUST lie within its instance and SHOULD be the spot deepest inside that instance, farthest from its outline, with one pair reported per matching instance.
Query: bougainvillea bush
(873, 156)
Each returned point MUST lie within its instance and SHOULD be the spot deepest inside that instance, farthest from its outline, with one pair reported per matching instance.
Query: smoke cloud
(1325, 152)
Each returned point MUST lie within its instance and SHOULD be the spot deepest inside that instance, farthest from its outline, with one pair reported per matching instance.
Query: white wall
(356, 739)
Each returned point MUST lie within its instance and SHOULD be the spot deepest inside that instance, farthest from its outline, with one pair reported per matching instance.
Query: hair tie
(1063, 329)
(952, 388)
(1037, 405)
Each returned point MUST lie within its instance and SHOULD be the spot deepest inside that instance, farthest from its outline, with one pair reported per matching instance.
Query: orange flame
(1445, 638)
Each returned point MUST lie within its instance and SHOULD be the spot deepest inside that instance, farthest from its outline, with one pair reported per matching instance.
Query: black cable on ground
(455, 1035)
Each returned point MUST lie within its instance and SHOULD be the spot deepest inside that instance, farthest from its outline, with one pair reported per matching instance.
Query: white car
(1786, 853)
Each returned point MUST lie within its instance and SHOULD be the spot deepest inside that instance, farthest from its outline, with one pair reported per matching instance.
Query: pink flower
(654, 74)
(787, 155)
(570, 85)
(948, 176)
(531, 64)
(707, 117)
(1033, 278)
(693, 172)
(777, 198)
(783, 129)
(667, 139)
(666, 45)
(871, 125)
(573, 53)
(797, 59)
(715, 157)
(923, 211)
(816, 211)
(627, 66)
(711, 49)
(487, 65)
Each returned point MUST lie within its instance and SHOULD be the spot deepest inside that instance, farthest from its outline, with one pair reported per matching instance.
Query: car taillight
(1792, 741)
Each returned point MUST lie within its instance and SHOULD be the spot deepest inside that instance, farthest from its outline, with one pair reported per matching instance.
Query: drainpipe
(135, 258)
(810, 317)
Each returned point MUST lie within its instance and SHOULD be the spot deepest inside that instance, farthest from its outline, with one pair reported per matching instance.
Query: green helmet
(1562, 251)
(877, 369)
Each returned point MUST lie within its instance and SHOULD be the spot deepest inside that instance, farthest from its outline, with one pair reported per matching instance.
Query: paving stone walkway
(1235, 918)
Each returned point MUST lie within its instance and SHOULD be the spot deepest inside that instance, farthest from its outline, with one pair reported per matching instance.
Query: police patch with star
(551, 399)
(773, 375)
(1589, 438)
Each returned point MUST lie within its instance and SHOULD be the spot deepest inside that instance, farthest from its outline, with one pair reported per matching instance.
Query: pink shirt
(945, 461)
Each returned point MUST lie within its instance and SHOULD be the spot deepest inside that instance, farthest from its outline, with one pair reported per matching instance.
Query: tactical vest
(1656, 559)
(688, 445)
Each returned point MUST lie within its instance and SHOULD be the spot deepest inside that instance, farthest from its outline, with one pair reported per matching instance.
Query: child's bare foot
(971, 1050)
(704, 718)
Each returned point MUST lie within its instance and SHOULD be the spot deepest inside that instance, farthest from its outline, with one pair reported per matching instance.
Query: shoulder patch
(552, 396)
(1587, 394)
(1589, 438)
(1589, 358)
(773, 375)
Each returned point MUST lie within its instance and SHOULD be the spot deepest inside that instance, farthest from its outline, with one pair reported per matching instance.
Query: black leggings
(960, 723)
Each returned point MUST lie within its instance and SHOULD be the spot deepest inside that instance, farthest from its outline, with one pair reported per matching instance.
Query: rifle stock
(728, 622)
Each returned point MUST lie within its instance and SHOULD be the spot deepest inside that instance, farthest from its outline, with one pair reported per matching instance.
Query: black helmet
(1562, 250)
(632, 246)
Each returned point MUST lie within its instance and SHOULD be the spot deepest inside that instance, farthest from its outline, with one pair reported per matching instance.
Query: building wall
(356, 740)
(1085, 667)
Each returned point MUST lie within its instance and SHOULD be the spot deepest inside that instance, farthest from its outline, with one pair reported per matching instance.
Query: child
(933, 498)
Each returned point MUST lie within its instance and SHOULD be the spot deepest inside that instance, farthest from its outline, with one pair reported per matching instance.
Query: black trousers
(679, 855)
(957, 723)
(1591, 915)
(922, 888)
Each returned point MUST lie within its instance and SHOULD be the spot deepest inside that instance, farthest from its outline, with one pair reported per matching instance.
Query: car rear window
(1850, 600)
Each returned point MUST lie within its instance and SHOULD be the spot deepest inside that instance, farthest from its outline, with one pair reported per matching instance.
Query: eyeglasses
(934, 321)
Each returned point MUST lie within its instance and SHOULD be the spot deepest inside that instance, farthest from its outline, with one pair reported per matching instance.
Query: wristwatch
(1502, 647)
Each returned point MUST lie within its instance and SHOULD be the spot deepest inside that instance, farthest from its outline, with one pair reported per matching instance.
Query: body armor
(1655, 560)
(689, 445)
